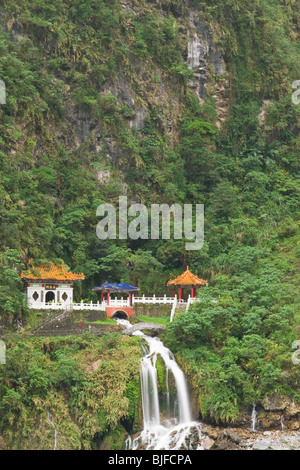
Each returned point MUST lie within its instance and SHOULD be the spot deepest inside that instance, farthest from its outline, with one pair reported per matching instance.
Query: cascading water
(253, 418)
(51, 421)
(172, 428)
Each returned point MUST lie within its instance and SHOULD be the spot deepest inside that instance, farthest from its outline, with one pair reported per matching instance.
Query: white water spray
(253, 418)
(128, 443)
(51, 421)
(171, 432)
(149, 383)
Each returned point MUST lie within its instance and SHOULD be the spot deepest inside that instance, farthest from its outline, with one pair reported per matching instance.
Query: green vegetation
(86, 385)
(162, 320)
(107, 321)
(99, 104)
(236, 344)
(161, 374)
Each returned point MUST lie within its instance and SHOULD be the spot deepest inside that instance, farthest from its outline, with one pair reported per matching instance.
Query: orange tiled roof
(187, 278)
(51, 271)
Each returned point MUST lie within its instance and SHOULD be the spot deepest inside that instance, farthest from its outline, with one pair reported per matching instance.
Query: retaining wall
(152, 310)
(74, 323)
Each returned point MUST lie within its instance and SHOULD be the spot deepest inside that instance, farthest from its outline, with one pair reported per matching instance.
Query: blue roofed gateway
(109, 287)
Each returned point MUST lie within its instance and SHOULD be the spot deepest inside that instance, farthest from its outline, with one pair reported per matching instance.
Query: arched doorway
(50, 297)
(120, 314)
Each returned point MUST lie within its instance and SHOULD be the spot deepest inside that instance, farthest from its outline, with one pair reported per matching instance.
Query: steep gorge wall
(141, 86)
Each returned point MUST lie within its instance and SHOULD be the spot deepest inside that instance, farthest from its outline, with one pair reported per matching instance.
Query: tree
(12, 301)
(144, 271)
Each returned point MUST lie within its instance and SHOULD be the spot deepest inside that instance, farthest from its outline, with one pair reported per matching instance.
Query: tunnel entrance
(50, 296)
(121, 315)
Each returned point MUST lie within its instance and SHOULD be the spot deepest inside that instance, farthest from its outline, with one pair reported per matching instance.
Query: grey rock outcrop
(275, 402)
(202, 53)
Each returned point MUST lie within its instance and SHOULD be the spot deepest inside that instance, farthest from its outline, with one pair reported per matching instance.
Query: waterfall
(51, 421)
(151, 408)
(171, 428)
(253, 418)
(150, 391)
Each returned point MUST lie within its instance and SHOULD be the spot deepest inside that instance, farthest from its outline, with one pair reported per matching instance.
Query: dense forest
(165, 102)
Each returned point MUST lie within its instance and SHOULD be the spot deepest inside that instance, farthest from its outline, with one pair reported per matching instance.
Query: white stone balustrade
(115, 302)
(152, 300)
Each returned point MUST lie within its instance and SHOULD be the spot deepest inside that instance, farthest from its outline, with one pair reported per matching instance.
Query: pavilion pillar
(102, 297)
(108, 296)
(129, 296)
(189, 281)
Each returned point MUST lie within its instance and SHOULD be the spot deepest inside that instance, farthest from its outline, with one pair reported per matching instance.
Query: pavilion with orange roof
(49, 284)
(187, 279)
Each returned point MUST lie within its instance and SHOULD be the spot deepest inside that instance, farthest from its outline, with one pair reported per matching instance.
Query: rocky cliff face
(141, 87)
(164, 101)
(276, 412)
(206, 59)
(204, 55)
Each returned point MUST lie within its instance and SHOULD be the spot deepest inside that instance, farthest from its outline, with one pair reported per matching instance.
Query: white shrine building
(50, 285)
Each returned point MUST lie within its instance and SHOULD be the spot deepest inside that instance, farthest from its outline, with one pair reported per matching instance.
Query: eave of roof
(187, 279)
(116, 287)
(51, 272)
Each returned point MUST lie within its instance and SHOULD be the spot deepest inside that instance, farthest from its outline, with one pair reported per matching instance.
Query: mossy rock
(161, 374)
(115, 439)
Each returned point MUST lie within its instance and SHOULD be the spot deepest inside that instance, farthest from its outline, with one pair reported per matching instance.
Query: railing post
(143, 298)
(188, 303)
(173, 308)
